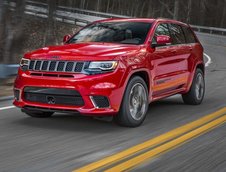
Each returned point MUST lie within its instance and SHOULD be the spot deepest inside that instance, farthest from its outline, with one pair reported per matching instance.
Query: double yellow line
(140, 153)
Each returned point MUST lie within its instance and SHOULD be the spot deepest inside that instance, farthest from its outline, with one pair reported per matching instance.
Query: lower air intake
(17, 94)
(53, 96)
(100, 101)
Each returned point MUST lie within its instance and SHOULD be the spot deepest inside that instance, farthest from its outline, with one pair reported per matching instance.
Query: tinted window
(162, 29)
(177, 34)
(113, 32)
(190, 38)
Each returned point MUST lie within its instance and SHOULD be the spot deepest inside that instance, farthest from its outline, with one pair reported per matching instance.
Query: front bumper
(107, 85)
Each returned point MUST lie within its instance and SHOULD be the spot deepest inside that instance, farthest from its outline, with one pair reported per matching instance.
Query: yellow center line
(167, 146)
(151, 143)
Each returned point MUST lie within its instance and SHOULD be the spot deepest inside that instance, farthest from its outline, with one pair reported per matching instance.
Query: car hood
(83, 51)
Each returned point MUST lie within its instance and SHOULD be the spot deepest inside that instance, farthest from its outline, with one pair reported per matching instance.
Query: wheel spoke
(140, 91)
(199, 88)
(137, 102)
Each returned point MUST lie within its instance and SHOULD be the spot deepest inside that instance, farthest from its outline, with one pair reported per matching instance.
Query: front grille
(100, 101)
(56, 66)
(60, 66)
(52, 66)
(79, 66)
(69, 66)
(38, 65)
(53, 96)
(45, 65)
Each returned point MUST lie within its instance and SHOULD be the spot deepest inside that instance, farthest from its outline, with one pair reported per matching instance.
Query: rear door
(180, 68)
(196, 49)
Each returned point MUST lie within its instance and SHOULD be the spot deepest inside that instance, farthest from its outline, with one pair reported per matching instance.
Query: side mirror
(66, 38)
(162, 40)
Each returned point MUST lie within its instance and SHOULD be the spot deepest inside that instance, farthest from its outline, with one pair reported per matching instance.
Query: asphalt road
(65, 142)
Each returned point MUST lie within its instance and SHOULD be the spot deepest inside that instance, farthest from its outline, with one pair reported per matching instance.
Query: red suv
(113, 67)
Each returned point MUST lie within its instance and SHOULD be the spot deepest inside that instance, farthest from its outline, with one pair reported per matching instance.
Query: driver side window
(162, 29)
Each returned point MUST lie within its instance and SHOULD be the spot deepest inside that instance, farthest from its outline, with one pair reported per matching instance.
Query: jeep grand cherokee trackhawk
(113, 67)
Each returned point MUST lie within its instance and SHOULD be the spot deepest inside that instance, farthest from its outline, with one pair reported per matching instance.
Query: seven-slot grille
(55, 66)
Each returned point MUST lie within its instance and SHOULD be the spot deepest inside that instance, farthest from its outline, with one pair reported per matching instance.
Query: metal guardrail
(81, 11)
(92, 13)
(65, 14)
(211, 30)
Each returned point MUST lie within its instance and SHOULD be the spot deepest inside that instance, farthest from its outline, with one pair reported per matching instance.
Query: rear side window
(177, 34)
(189, 35)
(162, 29)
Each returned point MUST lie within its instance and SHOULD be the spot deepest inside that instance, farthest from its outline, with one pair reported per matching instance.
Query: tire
(196, 93)
(38, 114)
(134, 104)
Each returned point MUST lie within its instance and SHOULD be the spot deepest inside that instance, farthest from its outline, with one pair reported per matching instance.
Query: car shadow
(69, 122)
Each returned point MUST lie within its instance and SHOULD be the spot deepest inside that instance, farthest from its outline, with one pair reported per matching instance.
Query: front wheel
(197, 90)
(134, 105)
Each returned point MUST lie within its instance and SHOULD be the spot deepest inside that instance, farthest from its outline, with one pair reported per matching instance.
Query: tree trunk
(176, 10)
(11, 36)
(81, 4)
(98, 5)
(188, 18)
(50, 37)
(223, 18)
(108, 6)
(149, 9)
(166, 6)
(1, 10)
(202, 12)
(142, 9)
(2, 36)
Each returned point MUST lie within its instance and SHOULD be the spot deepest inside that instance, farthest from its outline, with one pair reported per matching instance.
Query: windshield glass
(113, 32)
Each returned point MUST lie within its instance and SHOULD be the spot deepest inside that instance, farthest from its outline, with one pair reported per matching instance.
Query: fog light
(100, 101)
(17, 94)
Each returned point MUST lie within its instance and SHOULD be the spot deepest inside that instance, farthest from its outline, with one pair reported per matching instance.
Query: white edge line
(209, 61)
(7, 107)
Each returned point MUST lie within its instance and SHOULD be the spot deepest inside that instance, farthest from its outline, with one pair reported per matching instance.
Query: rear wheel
(134, 105)
(38, 114)
(197, 90)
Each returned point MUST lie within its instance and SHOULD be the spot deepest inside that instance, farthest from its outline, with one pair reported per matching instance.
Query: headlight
(24, 64)
(101, 66)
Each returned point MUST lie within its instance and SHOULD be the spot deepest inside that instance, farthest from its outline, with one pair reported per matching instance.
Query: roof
(147, 20)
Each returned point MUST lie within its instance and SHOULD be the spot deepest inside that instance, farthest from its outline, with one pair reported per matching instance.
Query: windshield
(113, 32)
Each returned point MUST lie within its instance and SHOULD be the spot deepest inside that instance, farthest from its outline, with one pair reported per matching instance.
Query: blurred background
(27, 25)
